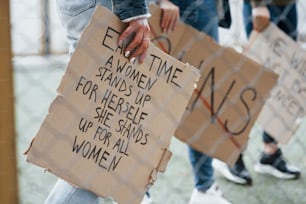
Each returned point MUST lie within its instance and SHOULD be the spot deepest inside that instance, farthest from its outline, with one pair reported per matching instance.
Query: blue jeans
(285, 17)
(64, 193)
(75, 18)
(203, 16)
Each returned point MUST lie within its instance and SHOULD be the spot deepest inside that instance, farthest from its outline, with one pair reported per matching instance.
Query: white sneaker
(276, 165)
(146, 200)
(237, 174)
(212, 196)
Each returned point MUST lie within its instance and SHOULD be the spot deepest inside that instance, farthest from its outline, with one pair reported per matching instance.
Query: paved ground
(36, 80)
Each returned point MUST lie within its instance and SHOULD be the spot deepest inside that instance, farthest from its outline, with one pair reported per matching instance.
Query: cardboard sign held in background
(229, 95)
(110, 127)
(286, 107)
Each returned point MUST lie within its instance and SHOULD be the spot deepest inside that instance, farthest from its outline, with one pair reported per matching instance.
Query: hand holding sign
(140, 30)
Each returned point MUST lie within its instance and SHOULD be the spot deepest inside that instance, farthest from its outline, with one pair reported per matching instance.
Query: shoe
(237, 174)
(212, 196)
(275, 165)
(147, 199)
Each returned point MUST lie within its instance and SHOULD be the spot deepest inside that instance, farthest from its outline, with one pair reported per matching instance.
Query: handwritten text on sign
(122, 91)
(111, 115)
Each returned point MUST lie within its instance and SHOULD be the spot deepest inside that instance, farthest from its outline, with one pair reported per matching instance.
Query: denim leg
(285, 17)
(75, 16)
(201, 15)
(64, 193)
(202, 169)
(247, 18)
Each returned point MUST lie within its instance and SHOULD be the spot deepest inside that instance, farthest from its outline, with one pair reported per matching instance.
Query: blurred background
(39, 56)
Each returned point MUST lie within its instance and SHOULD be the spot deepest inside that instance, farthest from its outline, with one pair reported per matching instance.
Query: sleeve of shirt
(128, 10)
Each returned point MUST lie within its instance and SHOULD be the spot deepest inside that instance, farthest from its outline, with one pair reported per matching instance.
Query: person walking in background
(203, 16)
(74, 16)
(257, 15)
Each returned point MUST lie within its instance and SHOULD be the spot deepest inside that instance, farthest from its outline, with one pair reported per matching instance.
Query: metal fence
(39, 61)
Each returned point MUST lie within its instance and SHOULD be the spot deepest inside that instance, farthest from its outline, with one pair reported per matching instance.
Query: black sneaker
(237, 174)
(275, 165)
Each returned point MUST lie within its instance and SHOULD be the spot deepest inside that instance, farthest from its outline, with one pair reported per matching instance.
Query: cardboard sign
(286, 107)
(229, 95)
(110, 127)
